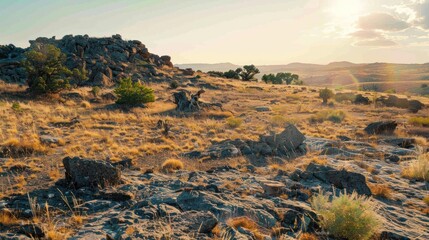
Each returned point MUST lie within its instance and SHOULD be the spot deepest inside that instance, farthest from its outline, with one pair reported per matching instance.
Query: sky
(237, 31)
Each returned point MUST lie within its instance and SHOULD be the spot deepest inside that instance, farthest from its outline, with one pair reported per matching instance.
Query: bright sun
(346, 9)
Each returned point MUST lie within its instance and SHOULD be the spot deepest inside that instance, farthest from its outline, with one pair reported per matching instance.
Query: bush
(418, 169)
(133, 93)
(171, 165)
(174, 84)
(95, 91)
(335, 116)
(46, 70)
(16, 107)
(347, 216)
(326, 94)
(234, 122)
(419, 121)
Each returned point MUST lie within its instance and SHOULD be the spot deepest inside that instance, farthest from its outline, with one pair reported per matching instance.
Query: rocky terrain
(213, 158)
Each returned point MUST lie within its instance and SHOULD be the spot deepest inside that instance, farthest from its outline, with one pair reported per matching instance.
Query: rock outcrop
(393, 101)
(106, 59)
(382, 127)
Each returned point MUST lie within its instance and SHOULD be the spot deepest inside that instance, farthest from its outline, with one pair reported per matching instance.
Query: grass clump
(246, 223)
(234, 122)
(419, 121)
(381, 190)
(335, 116)
(347, 216)
(133, 93)
(418, 169)
(171, 165)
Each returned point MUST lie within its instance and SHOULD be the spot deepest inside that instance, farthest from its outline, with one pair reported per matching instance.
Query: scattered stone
(90, 173)
(47, 139)
(263, 109)
(31, 230)
(272, 188)
(383, 127)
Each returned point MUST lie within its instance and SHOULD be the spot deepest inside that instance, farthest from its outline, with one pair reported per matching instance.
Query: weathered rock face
(106, 59)
(383, 127)
(90, 173)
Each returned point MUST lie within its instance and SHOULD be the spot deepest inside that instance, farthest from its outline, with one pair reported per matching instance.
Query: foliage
(326, 94)
(174, 84)
(95, 91)
(282, 77)
(46, 71)
(79, 76)
(215, 73)
(335, 116)
(233, 74)
(234, 122)
(16, 107)
(347, 216)
(171, 165)
(248, 72)
(419, 121)
(133, 93)
(418, 169)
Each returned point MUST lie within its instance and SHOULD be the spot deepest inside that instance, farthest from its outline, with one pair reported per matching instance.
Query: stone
(102, 80)
(203, 222)
(400, 142)
(31, 230)
(263, 109)
(388, 235)
(118, 196)
(90, 173)
(272, 188)
(47, 139)
(382, 127)
(290, 138)
(342, 179)
(360, 99)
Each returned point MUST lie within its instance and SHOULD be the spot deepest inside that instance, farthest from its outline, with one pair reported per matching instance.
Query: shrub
(326, 94)
(85, 104)
(133, 93)
(419, 121)
(418, 169)
(347, 216)
(171, 165)
(174, 84)
(234, 122)
(95, 91)
(426, 200)
(248, 72)
(46, 70)
(381, 190)
(16, 107)
(335, 116)
(246, 223)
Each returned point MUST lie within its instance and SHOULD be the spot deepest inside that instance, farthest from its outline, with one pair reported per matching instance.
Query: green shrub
(16, 106)
(347, 216)
(95, 91)
(234, 122)
(133, 93)
(335, 116)
(46, 70)
(174, 84)
(326, 94)
(419, 121)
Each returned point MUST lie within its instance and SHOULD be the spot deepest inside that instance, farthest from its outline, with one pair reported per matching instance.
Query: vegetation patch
(133, 93)
(347, 216)
(419, 121)
(234, 122)
(172, 165)
(335, 116)
(418, 169)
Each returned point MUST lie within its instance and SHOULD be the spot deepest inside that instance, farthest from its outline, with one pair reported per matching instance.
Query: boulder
(101, 79)
(289, 139)
(360, 99)
(263, 109)
(342, 179)
(382, 127)
(90, 173)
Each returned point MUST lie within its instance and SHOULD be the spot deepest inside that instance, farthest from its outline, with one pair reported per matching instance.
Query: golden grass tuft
(418, 169)
(171, 165)
(381, 190)
(307, 236)
(247, 223)
(347, 216)
(419, 121)
(335, 116)
(234, 122)
(85, 104)
(426, 200)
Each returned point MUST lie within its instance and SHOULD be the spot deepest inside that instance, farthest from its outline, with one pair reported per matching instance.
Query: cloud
(381, 42)
(382, 21)
(422, 10)
(366, 34)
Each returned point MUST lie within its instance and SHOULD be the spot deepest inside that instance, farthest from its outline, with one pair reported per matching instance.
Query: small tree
(46, 70)
(326, 94)
(133, 93)
(248, 72)
(234, 74)
(79, 76)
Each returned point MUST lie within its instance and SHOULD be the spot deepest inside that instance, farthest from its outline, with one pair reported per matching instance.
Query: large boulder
(382, 127)
(289, 139)
(342, 179)
(90, 173)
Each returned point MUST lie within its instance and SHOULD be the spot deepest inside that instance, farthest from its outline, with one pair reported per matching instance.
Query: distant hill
(371, 76)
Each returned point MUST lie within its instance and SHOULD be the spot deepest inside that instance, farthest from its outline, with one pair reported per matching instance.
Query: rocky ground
(246, 162)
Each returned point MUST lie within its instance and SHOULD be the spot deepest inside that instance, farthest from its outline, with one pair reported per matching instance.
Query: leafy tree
(46, 70)
(133, 93)
(271, 78)
(215, 73)
(326, 94)
(79, 76)
(280, 78)
(248, 72)
(234, 74)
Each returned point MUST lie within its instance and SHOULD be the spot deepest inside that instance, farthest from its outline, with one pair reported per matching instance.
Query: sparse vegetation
(418, 169)
(335, 116)
(347, 216)
(171, 165)
(174, 84)
(133, 93)
(248, 72)
(326, 94)
(381, 190)
(282, 78)
(419, 121)
(234, 122)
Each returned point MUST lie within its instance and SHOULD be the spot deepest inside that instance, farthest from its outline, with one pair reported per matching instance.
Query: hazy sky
(237, 31)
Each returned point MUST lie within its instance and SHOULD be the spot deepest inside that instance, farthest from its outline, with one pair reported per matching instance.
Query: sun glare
(346, 9)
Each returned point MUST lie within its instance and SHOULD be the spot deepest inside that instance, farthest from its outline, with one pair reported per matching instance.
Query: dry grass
(381, 190)
(347, 216)
(426, 200)
(307, 236)
(172, 165)
(247, 223)
(234, 122)
(418, 169)
(335, 116)
(419, 121)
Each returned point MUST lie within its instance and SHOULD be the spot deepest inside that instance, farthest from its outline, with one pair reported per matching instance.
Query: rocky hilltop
(106, 59)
